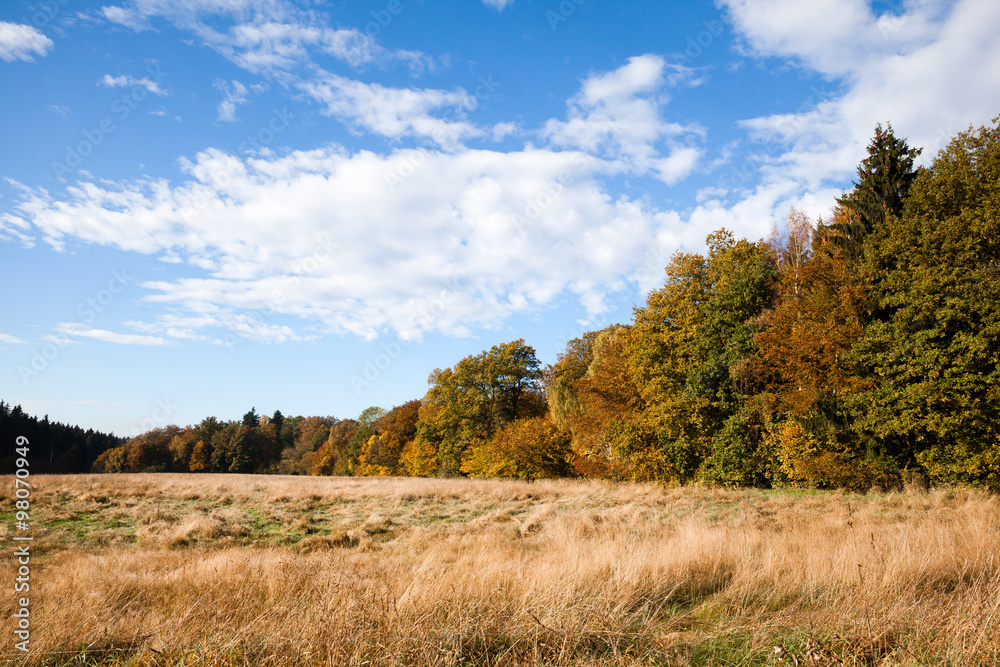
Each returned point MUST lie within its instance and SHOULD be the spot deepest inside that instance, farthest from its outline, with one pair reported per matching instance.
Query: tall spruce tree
(884, 181)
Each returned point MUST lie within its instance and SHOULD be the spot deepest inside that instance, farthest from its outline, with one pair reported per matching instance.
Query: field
(253, 570)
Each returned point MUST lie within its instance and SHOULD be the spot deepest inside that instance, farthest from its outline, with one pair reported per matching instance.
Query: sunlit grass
(235, 570)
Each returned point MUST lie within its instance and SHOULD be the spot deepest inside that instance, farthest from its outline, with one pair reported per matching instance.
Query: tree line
(55, 447)
(854, 352)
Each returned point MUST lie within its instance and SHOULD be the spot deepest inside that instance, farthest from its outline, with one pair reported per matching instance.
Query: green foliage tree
(470, 402)
(301, 437)
(278, 420)
(693, 355)
(662, 354)
(742, 279)
(55, 447)
(560, 379)
(834, 356)
(236, 448)
(935, 272)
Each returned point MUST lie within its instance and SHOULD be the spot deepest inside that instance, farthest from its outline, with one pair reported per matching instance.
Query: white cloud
(130, 18)
(501, 131)
(272, 47)
(678, 164)
(266, 36)
(22, 42)
(274, 38)
(60, 341)
(234, 95)
(77, 329)
(395, 112)
(13, 228)
(122, 81)
(413, 241)
(642, 74)
(930, 71)
(617, 114)
(291, 246)
(7, 339)
(358, 49)
(497, 4)
(830, 36)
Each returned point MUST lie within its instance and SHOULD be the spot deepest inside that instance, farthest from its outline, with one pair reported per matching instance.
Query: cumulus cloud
(289, 246)
(22, 42)
(829, 36)
(275, 39)
(930, 71)
(618, 114)
(128, 17)
(413, 241)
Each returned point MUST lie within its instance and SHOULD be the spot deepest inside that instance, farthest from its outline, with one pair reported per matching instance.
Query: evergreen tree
(884, 181)
(278, 420)
(251, 418)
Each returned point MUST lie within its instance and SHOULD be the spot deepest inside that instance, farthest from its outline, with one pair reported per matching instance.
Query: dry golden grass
(248, 570)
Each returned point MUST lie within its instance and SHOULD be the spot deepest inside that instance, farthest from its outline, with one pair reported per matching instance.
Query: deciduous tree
(472, 401)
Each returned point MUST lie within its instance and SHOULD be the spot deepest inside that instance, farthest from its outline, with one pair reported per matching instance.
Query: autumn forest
(857, 352)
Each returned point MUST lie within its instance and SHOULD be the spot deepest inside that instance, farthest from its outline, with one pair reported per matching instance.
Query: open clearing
(263, 570)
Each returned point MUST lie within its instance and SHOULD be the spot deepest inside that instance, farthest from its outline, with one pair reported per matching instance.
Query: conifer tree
(884, 181)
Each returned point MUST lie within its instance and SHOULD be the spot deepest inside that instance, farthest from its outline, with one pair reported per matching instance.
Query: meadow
(187, 569)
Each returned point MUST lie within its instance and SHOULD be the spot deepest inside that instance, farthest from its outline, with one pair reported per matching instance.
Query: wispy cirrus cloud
(81, 331)
(265, 36)
(234, 94)
(277, 40)
(7, 339)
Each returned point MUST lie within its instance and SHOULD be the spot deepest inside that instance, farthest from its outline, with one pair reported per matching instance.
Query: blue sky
(208, 205)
